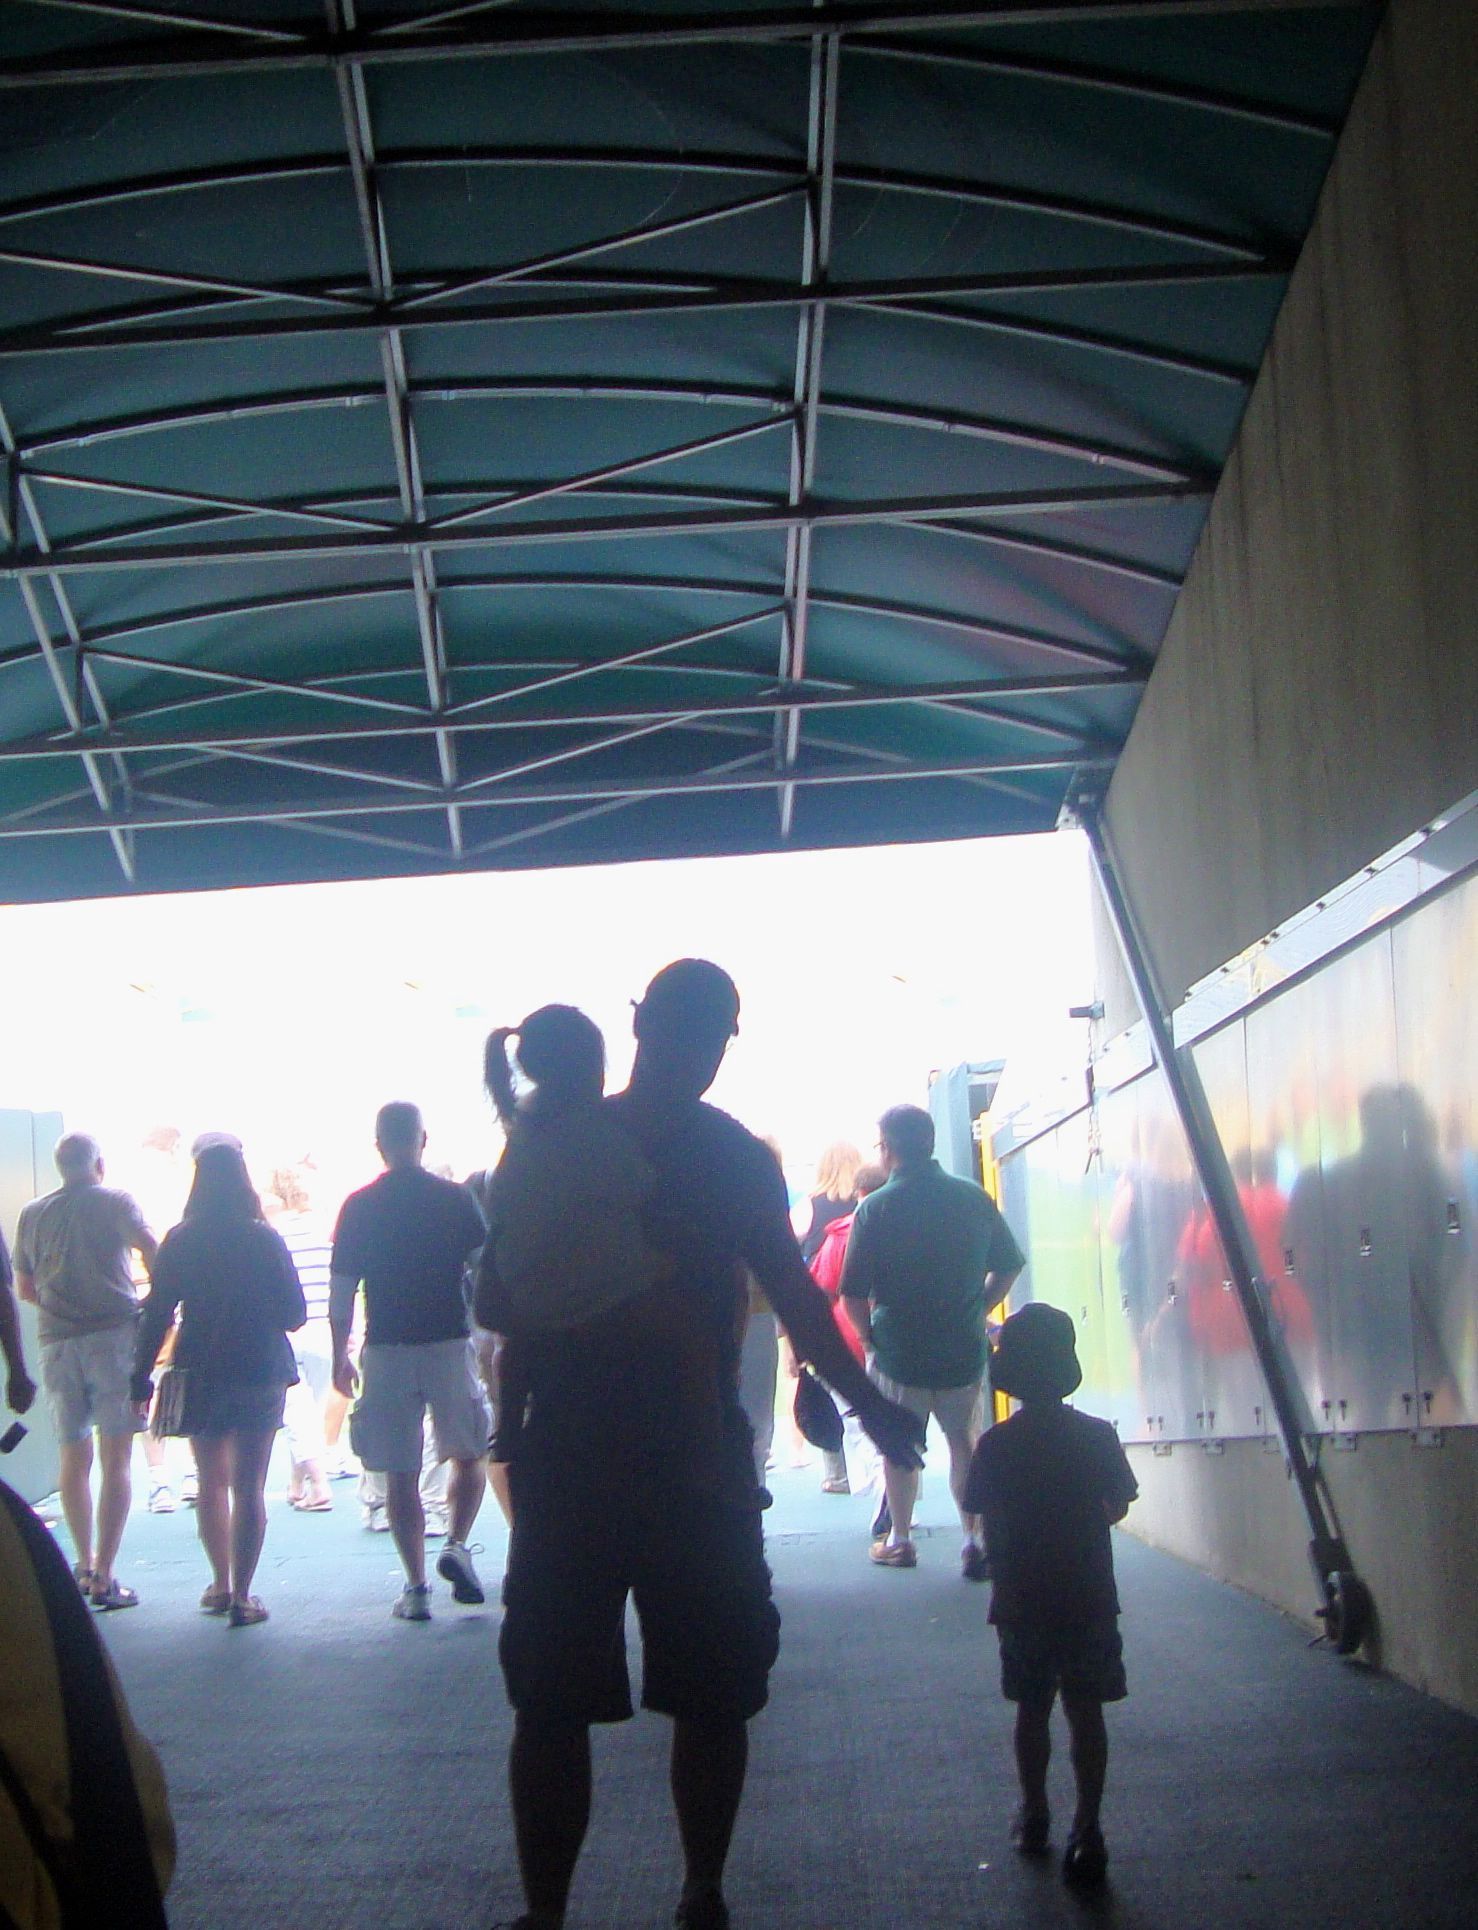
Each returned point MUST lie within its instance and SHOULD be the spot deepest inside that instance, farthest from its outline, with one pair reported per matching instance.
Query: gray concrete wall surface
(1314, 698)
(1410, 1519)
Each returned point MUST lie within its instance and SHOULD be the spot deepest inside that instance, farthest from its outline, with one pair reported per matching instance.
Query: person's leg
(708, 1764)
(549, 1784)
(407, 1523)
(464, 1497)
(1033, 1740)
(958, 1413)
(901, 1485)
(213, 1508)
(75, 1479)
(115, 1494)
(1088, 1737)
(502, 1493)
(253, 1450)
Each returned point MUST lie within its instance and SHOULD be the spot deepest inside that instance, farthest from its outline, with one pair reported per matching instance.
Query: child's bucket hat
(1036, 1356)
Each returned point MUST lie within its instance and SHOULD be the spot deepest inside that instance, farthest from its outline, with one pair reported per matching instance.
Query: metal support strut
(1346, 1604)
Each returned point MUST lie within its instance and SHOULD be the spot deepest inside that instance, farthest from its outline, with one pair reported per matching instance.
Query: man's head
(1036, 1356)
(79, 1160)
(905, 1138)
(683, 1026)
(400, 1133)
(869, 1178)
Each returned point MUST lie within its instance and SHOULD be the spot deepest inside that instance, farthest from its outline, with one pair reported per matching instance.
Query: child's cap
(1036, 1356)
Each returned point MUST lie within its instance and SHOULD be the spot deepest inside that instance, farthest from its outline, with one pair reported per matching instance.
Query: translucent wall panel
(1434, 957)
(1218, 1331)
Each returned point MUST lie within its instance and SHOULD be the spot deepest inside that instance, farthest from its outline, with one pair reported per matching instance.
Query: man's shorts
(86, 1381)
(958, 1410)
(695, 1567)
(1085, 1661)
(397, 1385)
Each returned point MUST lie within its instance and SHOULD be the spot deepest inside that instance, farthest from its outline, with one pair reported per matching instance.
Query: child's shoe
(1085, 1860)
(1031, 1831)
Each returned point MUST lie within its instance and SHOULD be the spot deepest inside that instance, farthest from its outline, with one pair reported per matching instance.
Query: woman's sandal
(306, 1506)
(216, 1601)
(248, 1613)
(83, 1577)
(112, 1594)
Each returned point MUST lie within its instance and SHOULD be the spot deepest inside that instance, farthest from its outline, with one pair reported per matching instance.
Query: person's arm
(855, 1285)
(805, 1313)
(20, 1389)
(342, 1289)
(1004, 1262)
(290, 1304)
(155, 1321)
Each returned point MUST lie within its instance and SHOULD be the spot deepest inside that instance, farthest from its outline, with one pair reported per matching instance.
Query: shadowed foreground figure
(1049, 1482)
(610, 1496)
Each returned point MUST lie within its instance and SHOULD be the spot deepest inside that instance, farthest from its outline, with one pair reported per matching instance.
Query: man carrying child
(1049, 1482)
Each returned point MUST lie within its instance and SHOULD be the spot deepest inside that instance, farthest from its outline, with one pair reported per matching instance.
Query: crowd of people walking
(579, 1327)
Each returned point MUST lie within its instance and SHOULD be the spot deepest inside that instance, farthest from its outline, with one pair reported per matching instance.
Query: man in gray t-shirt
(73, 1263)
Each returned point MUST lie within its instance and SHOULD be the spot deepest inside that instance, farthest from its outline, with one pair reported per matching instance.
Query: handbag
(170, 1403)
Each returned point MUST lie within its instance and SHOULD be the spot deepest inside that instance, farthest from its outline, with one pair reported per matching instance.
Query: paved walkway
(336, 1768)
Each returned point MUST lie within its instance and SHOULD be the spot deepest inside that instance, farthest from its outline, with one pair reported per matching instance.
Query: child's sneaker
(1031, 1831)
(1085, 1860)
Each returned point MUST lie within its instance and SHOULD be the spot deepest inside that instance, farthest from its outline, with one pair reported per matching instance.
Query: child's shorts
(1084, 1660)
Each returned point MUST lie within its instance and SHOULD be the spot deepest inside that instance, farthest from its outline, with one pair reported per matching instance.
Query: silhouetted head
(1036, 1355)
(400, 1133)
(79, 1159)
(683, 1026)
(222, 1188)
(563, 1052)
(869, 1178)
(906, 1138)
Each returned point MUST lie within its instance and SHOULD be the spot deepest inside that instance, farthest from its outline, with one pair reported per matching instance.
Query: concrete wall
(1315, 695)
(1410, 1519)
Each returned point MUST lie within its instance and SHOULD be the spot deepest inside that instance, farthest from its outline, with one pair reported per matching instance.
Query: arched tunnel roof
(478, 435)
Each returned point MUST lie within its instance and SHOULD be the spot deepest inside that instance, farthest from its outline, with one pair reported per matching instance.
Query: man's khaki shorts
(86, 1381)
(958, 1410)
(398, 1384)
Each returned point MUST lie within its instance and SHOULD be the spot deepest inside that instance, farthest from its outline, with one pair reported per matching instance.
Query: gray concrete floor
(338, 1768)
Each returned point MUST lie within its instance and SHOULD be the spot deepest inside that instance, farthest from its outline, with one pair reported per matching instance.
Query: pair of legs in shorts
(958, 1411)
(87, 1388)
(399, 1385)
(694, 1565)
(1085, 1663)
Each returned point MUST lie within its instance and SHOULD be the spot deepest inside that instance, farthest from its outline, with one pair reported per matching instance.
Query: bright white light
(289, 1014)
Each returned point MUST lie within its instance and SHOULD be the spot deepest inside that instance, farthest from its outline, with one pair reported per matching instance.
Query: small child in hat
(1049, 1482)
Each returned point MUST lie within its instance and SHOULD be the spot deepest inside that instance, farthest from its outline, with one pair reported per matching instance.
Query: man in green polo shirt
(928, 1258)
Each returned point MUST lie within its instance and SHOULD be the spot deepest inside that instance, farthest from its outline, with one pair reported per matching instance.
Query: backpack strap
(106, 1873)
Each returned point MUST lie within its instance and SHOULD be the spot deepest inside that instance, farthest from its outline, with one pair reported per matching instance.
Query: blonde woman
(833, 1198)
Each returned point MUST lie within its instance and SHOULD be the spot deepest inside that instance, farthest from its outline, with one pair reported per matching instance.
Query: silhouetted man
(408, 1238)
(615, 1491)
(73, 1263)
(928, 1258)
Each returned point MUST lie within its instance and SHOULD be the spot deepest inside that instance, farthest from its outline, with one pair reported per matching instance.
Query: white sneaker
(454, 1565)
(190, 1490)
(375, 1519)
(162, 1499)
(413, 1603)
(436, 1523)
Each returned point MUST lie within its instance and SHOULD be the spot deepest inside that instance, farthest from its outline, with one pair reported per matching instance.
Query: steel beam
(536, 31)
(617, 296)
(490, 714)
(587, 790)
(419, 535)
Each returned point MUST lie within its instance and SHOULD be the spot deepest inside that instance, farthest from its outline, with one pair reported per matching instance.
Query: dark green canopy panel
(480, 435)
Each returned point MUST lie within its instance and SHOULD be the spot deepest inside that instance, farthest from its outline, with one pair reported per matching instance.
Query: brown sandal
(216, 1601)
(248, 1613)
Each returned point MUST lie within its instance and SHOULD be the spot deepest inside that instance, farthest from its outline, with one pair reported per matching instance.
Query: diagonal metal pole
(1344, 1596)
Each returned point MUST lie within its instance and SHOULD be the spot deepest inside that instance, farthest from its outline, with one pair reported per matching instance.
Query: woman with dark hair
(233, 1280)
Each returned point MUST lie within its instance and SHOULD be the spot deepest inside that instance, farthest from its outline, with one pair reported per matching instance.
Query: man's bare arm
(342, 1288)
(147, 1247)
(25, 1286)
(859, 1312)
(20, 1389)
(997, 1286)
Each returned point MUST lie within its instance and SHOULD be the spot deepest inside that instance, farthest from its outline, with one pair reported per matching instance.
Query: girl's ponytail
(498, 1074)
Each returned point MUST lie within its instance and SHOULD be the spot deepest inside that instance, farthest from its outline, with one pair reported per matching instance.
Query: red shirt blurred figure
(1215, 1316)
(826, 1262)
